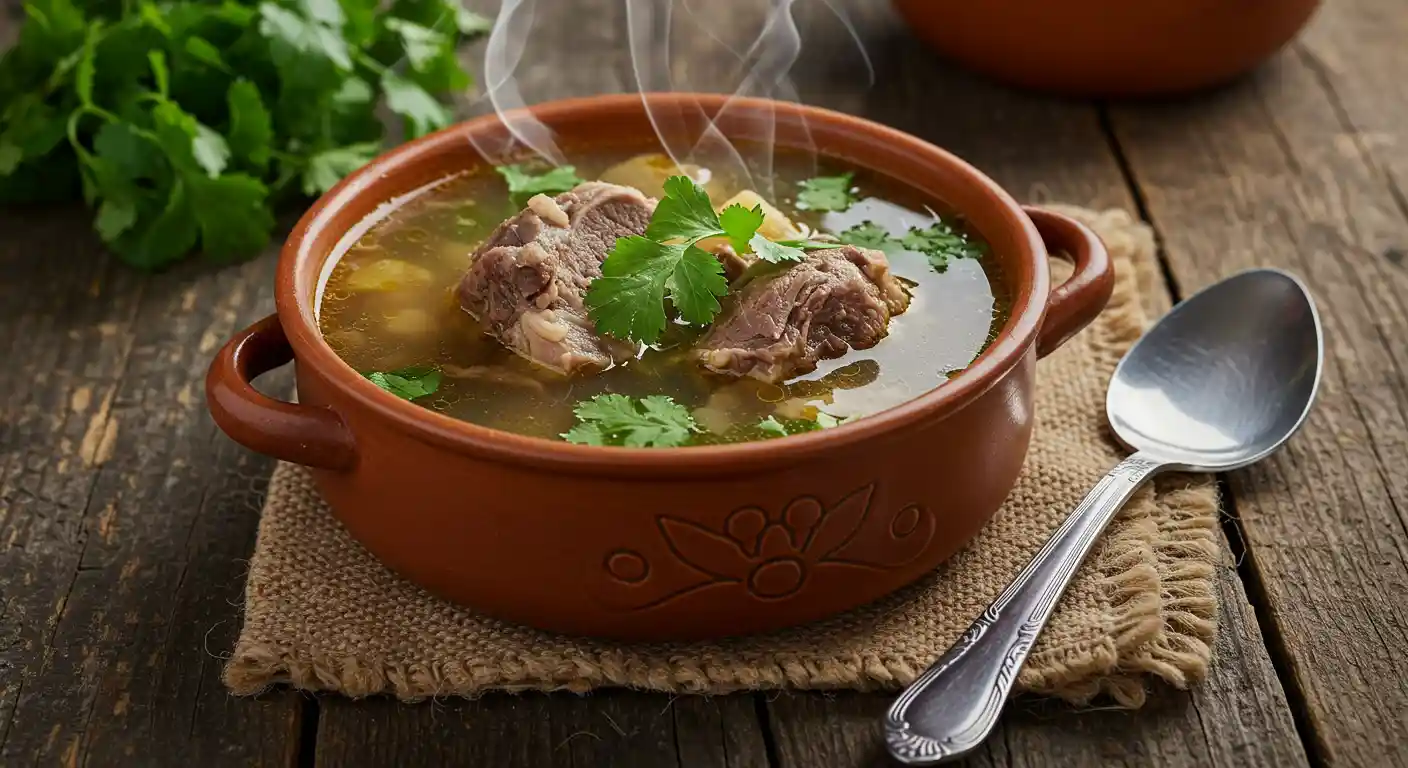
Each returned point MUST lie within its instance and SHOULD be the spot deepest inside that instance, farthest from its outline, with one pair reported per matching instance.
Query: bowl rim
(298, 318)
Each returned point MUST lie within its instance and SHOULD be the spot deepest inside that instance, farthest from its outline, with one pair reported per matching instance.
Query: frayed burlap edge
(1163, 617)
(1158, 584)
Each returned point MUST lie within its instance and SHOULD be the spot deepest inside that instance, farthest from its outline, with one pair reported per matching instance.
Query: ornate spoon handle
(953, 706)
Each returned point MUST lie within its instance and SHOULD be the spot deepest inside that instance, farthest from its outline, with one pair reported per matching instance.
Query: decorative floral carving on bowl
(772, 555)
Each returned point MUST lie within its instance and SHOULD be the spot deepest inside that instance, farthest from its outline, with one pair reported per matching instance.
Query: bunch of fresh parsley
(183, 124)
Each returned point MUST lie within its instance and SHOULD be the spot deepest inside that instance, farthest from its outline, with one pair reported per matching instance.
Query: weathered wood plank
(607, 728)
(1237, 718)
(1275, 171)
(124, 519)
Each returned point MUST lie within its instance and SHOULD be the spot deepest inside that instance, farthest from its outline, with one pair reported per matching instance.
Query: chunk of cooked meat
(734, 263)
(526, 284)
(782, 323)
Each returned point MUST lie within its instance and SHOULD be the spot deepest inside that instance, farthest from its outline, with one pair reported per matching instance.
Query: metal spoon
(1219, 383)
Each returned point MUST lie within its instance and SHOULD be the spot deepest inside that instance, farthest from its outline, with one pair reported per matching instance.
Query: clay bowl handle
(1076, 302)
(303, 434)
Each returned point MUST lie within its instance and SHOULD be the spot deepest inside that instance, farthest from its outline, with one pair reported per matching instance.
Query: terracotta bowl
(663, 543)
(1108, 47)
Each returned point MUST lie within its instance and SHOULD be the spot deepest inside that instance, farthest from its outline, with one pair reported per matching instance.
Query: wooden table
(126, 517)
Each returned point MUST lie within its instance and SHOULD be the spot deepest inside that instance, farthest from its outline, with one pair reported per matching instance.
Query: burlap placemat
(321, 614)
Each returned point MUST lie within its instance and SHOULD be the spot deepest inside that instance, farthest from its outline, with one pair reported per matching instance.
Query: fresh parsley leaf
(740, 223)
(684, 214)
(205, 52)
(115, 216)
(941, 242)
(774, 253)
(230, 211)
(471, 23)
(86, 68)
(421, 111)
(695, 285)
(826, 193)
(523, 185)
(251, 135)
(305, 35)
(188, 144)
(160, 73)
(10, 157)
(868, 234)
(129, 151)
(783, 427)
(650, 422)
(328, 167)
(407, 383)
(422, 44)
(353, 92)
(628, 300)
(773, 427)
(326, 12)
(164, 237)
(810, 245)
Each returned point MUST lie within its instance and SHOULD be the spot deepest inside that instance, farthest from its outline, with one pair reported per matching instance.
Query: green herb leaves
(826, 193)
(407, 383)
(868, 234)
(940, 242)
(650, 422)
(640, 273)
(182, 123)
(775, 427)
(523, 185)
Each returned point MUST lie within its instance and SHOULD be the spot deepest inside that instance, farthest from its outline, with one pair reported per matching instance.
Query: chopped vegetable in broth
(728, 317)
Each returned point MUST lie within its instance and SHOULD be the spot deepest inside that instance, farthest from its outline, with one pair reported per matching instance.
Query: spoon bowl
(1220, 382)
(1225, 378)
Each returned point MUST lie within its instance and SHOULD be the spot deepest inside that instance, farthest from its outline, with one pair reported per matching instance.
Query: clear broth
(409, 317)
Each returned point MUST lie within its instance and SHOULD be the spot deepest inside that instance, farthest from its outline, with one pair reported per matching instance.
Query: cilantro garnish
(407, 383)
(941, 242)
(650, 422)
(784, 427)
(826, 193)
(183, 123)
(868, 234)
(641, 272)
(810, 245)
(523, 185)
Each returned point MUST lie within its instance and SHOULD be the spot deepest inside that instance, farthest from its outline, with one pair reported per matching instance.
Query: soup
(888, 299)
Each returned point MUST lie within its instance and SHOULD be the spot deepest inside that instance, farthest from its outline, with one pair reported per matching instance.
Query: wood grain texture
(124, 516)
(1238, 717)
(1275, 171)
(615, 728)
